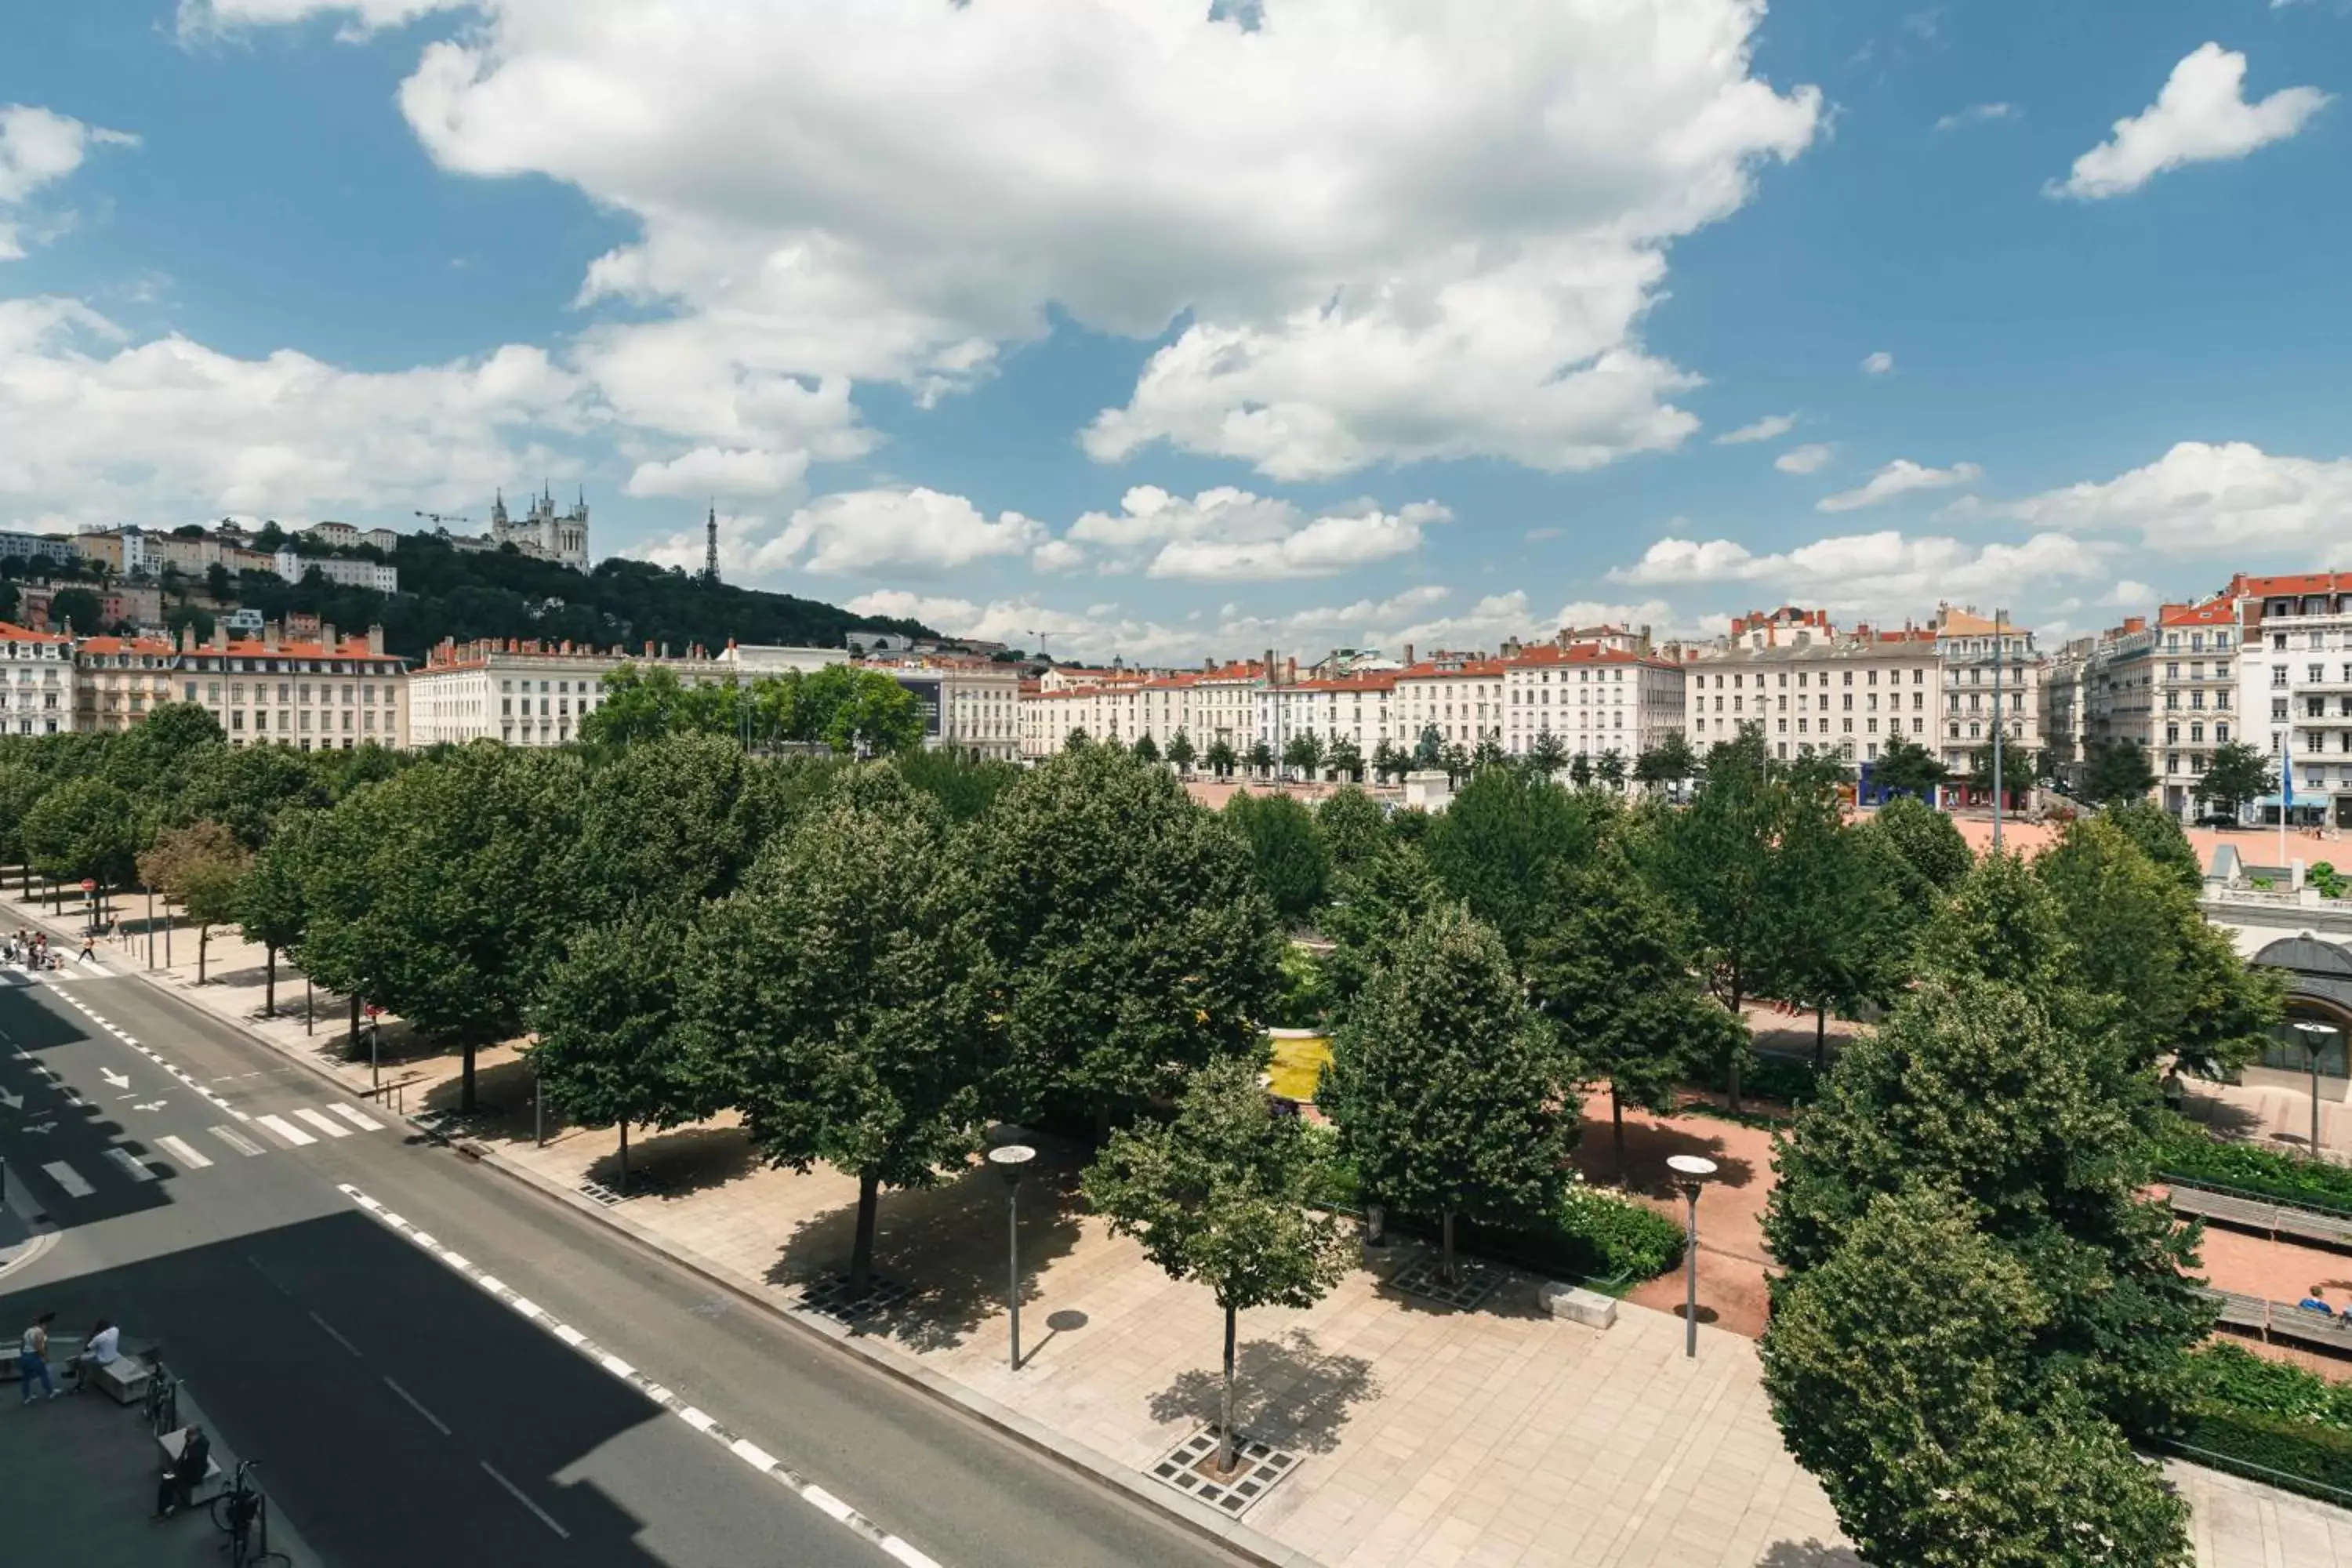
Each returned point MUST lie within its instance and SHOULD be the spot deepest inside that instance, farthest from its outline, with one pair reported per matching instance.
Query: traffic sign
(88, 884)
(375, 1010)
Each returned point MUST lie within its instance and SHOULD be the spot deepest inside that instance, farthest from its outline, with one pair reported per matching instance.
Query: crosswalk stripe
(69, 1178)
(284, 1129)
(245, 1146)
(364, 1123)
(325, 1125)
(130, 1164)
(184, 1151)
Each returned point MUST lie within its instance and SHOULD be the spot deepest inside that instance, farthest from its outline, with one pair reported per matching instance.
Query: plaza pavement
(1428, 1436)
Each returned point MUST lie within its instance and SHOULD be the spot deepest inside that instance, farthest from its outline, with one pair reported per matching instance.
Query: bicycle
(161, 1404)
(241, 1513)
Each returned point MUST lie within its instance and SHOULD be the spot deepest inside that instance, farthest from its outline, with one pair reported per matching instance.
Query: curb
(1195, 1517)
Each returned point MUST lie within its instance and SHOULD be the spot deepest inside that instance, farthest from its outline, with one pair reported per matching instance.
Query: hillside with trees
(449, 592)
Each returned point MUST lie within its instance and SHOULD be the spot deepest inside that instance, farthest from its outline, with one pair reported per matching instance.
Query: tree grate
(1261, 1465)
(1425, 1276)
(601, 1194)
(828, 1295)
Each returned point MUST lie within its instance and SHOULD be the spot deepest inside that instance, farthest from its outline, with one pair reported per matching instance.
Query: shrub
(2300, 1448)
(1787, 1080)
(2225, 1375)
(2187, 1150)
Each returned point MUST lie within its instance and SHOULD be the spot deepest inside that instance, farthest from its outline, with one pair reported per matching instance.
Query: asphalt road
(400, 1413)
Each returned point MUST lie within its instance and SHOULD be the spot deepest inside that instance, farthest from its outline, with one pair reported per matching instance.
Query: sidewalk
(1423, 1435)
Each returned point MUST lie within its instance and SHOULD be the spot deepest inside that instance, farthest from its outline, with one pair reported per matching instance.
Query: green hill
(446, 593)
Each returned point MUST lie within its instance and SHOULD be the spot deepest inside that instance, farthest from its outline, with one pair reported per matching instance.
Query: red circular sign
(373, 1011)
(88, 886)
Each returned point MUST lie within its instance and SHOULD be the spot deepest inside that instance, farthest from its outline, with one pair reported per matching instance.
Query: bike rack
(391, 1097)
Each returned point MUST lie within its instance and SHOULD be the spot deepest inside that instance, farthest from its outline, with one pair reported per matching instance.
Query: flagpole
(2287, 797)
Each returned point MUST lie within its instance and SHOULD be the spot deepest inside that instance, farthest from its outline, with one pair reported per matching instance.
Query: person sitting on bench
(103, 1347)
(2315, 1302)
(184, 1473)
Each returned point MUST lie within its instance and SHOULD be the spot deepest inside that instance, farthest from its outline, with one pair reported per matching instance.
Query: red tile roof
(2215, 612)
(10, 631)
(2302, 583)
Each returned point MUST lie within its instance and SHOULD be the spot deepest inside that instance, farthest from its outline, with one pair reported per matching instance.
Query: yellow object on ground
(1297, 1063)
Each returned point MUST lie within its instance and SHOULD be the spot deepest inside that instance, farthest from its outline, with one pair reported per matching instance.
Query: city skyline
(1861, 313)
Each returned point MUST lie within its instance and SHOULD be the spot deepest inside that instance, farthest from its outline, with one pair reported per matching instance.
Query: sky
(1171, 329)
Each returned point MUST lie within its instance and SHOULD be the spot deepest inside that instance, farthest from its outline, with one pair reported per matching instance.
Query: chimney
(220, 636)
(269, 636)
(327, 637)
(375, 640)
(1269, 665)
(1290, 673)
(1408, 655)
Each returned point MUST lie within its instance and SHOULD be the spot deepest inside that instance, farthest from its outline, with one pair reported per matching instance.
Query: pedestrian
(104, 1347)
(87, 956)
(32, 1357)
(183, 1475)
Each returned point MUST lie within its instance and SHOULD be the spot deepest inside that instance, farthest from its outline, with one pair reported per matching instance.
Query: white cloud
(1885, 575)
(39, 147)
(1976, 114)
(716, 471)
(1382, 233)
(1878, 364)
(1810, 459)
(912, 530)
(100, 428)
(1057, 555)
(1899, 478)
(200, 17)
(1771, 428)
(2202, 116)
(1229, 534)
(2203, 499)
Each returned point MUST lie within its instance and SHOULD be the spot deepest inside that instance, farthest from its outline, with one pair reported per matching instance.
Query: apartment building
(121, 680)
(2197, 706)
(1594, 697)
(969, 706)
(39, 685)
(2294, 665)
(1809, 688)
(1354, 708)
(1460, 697)
(40, 547)
(332, 694)
(2099, 691)
(1992, 679)
(343, 571)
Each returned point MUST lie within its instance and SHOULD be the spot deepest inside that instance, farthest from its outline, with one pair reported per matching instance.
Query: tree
(245, 788)
(1907, 768)
(1130, 940)
(673, 819)
(2137, 936)
(1927, 840)
(2156, 833)
(1669, 762)
(1579, 771)
(843, 995)
(964, 787)
(1549, 755)
(1448, 1090)
(79, 609)
(1075, 740)
(1840, 932)
(2117, 772)
(1901, 1374)
(1375, 903)
(1261, 758)
(269, 904)
(1457, 764)
(1613, 973)
(1500, 843)
(1303, 751)
(1489, 753)
(1973, 1086)
(1354, 826)
(1147, 750)
(1611, 768)
(859, 712)
(1220, 1194)
(1715, 861)
(1291, 861)
(1180, 752)
(611, 1046)
(2237, 774)
(439, 892)
(1346, 759)
(83, 828)
(1220, 758)
(198, 865)
(1387, 760)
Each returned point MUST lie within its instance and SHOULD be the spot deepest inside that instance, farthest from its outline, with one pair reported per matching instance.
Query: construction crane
(1041, 643)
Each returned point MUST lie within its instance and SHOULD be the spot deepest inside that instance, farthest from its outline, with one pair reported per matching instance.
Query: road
(404, 1412)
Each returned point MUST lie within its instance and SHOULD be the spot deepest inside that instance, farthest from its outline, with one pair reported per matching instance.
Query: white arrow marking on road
(151, 1105)
(119, 1079)
(12, 1101)
(42, 1127)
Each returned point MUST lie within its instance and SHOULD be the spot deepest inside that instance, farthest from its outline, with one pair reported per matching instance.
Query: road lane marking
(242, 1144)
(523, 1498)
(69, 1178)
(748, 1453)
(336, 1337)
(404, 1395)
(284, 1129)
(325, 1125)
(364, 1123)
(184, 1151)
(132, 1164)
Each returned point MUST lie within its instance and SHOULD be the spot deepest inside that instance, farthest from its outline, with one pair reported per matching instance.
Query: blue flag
(2286, 775)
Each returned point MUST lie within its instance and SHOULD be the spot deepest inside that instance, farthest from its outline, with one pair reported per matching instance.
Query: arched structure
(2318, 989)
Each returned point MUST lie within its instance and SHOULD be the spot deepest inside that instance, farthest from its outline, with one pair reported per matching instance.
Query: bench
(2283, 1320)
(63, 1348)
(1578, 1305)
(123, 1379)
(2271, 1219)
(171, 1443)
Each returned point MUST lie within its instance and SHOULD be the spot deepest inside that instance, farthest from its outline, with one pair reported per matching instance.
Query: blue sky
(1170, 336)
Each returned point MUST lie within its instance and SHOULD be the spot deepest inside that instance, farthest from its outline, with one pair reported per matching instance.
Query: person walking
(86, 954)
(32, 1357)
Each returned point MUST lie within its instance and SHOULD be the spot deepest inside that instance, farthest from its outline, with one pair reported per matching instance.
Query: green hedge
(1785, 1079)
(2255, 1411)
(2303, 1450)
(2187, 1150)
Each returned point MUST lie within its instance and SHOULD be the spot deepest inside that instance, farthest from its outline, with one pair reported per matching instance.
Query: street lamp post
(1693, 1169)
(2314, 1035)
(1011, 1160)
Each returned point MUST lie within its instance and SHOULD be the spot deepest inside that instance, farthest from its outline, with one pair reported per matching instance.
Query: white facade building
(1992, 675)
(40, 684)
(2198, 706)
(1594, 697)
(969, 706)
(343, 571)
(1460, 697)
(2294, 662)
(1808, 688)
(333, 694)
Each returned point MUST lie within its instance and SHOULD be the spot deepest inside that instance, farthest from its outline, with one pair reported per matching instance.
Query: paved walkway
(1427, 1436)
